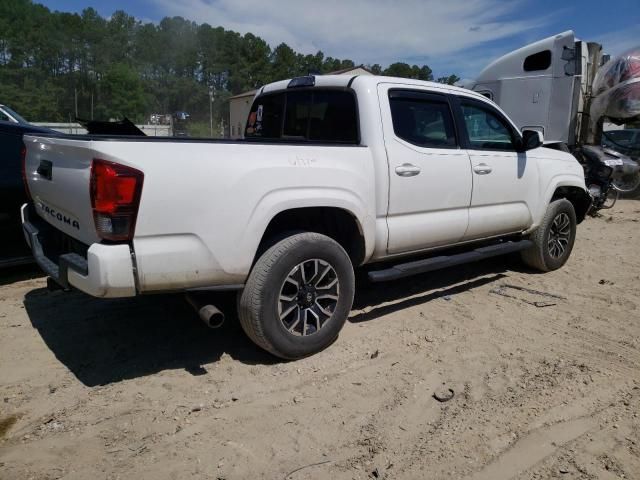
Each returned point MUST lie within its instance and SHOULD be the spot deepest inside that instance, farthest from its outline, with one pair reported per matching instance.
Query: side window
(537, 61)
(3, 116)
(423, 122)
(486, 129)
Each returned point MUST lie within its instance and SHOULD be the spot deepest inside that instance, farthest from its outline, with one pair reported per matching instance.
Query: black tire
(544, 255)
(631, 193)
(260, 306)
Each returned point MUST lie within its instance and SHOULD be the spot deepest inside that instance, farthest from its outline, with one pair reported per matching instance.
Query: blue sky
(451, 36)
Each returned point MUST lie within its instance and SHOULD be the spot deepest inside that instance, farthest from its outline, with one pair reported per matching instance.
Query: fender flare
(281, 200)
(558, 181)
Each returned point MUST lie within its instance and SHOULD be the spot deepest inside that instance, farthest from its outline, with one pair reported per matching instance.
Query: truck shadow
(102, 341)
(378, 299)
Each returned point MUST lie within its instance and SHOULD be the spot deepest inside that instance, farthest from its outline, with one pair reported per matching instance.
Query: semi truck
(565, 88)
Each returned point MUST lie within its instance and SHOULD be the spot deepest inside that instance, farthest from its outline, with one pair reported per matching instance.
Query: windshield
(4, 110)
(624, 141)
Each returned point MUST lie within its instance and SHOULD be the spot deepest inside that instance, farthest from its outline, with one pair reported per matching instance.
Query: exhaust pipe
(209, 314)
(53, 286)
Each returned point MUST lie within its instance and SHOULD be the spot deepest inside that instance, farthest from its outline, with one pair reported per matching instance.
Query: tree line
(55, 66)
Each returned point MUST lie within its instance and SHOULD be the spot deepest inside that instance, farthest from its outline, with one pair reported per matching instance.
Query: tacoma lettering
(59, 216)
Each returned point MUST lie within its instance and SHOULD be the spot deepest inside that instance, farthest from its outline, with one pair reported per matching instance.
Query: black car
(14, 249)
(12, 192)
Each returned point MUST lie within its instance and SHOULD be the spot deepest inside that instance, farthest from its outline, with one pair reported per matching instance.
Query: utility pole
(91, 105)
(211, 110)
(75, 93)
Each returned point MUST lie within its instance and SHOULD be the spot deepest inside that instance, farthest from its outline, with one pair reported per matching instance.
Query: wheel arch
(578, 197)
(570, 187)
(340, 224)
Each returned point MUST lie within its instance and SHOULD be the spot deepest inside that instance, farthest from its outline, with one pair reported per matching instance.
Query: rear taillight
(115, 197)
(23, 160)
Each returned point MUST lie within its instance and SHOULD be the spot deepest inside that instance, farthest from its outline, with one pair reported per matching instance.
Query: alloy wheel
(559, 235)
(308, 297)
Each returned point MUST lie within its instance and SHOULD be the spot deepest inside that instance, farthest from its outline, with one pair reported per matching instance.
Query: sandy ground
(139, 388)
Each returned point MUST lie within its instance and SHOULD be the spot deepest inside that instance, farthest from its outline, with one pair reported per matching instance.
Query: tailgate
(57, 171)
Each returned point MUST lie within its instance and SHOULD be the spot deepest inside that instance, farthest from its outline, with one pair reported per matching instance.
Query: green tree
(404, 70)
(284, 63)
(376, 69)
(54, 62)
(449, 80)
(122, 94)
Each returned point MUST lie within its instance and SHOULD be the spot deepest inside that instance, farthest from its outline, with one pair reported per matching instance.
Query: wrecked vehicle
(335, 172)
(625, 141)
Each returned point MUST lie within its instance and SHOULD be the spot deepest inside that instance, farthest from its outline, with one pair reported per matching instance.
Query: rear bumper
(105, 271)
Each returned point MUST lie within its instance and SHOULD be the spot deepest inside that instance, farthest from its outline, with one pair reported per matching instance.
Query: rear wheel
(298, 296)
(553, 240)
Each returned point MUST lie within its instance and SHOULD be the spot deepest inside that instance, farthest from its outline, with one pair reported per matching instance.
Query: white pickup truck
(335, 172)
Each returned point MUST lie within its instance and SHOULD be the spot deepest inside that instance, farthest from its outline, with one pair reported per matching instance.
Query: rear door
(429, 174)
(504, 181)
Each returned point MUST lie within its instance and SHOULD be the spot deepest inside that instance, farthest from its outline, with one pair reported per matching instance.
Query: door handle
(407, 170)
(482, 169)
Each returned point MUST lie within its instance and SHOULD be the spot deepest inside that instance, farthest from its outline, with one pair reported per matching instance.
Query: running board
(445, 261)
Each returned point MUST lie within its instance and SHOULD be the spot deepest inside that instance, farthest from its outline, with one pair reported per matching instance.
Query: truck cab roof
(366, 81)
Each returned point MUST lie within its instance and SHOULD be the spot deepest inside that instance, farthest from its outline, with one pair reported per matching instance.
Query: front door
(429, 174)
(505, 182)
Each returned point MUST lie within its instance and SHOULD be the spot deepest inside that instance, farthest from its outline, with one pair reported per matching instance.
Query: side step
(445, 261)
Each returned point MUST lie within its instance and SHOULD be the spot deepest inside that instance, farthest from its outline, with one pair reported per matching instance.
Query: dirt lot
(141, 389)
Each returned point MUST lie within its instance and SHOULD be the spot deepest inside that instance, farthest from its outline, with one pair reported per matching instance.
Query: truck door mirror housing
(531, 139)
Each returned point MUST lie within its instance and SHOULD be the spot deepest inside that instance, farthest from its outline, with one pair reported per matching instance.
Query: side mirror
(531, 139)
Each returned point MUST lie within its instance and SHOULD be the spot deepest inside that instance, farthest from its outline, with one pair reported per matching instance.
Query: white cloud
(367, 31)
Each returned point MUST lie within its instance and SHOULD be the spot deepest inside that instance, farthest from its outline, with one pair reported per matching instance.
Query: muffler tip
(211, 316)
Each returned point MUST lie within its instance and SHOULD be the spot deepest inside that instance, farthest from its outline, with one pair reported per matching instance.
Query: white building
(240, 105)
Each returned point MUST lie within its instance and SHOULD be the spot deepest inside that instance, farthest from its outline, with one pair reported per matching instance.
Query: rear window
(305, 115)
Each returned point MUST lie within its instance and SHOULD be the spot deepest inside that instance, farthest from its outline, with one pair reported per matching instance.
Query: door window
(423, 122)
(486, 129)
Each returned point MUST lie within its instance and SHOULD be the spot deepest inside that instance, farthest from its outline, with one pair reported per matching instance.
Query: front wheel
(298, 296)
(553, 240)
